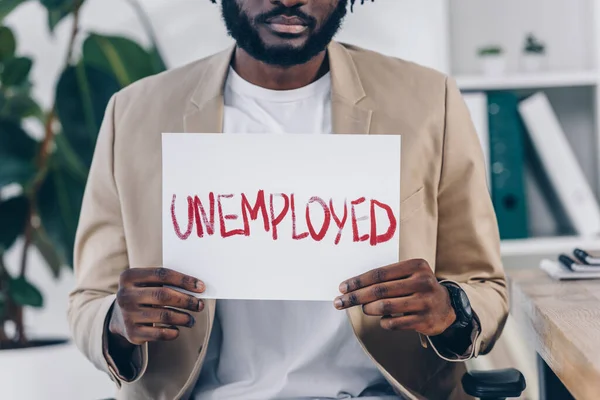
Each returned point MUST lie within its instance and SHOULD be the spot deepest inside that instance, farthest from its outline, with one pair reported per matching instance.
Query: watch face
(466, 304)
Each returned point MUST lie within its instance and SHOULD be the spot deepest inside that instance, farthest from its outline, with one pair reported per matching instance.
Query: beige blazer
(447, 217)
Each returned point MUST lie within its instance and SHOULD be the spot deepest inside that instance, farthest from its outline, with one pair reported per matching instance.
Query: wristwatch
(461, 305)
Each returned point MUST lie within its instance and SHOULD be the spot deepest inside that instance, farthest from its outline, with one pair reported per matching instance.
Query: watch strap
(463, 316)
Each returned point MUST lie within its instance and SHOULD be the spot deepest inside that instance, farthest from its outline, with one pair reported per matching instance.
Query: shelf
(529, 81)
(548, 246)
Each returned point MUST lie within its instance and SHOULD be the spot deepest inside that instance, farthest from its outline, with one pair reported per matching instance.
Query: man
(399, 331)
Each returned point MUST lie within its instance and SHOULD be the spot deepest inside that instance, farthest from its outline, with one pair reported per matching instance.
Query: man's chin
(285, 53)
(283, 41)
(278, 51)
(284, 58)
(284, 50)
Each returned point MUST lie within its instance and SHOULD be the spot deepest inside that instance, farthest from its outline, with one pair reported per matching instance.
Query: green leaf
(82, 95)
(24, 293)
(7, 6)
(2, 100)
(55, 16)
(13, 214)
(2, 307)
(17, 154)
(68, 159)
(58, 10)
(126, 60)
(20, 106)
(55, 3)
(8, 45)
(59, 203)
(24, 88)
(15, 171)
(46, 248)
(16, 70)
(158, 62)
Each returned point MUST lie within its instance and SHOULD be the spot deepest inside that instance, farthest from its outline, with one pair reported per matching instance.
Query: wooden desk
(562, 321)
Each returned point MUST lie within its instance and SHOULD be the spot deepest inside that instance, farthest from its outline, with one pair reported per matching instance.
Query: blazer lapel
(206, 119)
(347, 91)
(205, 109)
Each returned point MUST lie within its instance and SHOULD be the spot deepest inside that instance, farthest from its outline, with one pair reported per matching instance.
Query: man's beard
(245, 32)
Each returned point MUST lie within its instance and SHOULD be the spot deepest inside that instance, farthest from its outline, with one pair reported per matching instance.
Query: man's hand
(143, 301)
(406, 295)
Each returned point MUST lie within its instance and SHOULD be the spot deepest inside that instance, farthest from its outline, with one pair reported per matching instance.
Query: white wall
(477, 23)
(410, 29)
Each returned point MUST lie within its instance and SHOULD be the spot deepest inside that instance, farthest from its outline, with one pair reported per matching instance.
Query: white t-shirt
(267, 350)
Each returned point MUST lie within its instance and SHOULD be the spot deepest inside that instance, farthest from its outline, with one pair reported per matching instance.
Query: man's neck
(279, 78)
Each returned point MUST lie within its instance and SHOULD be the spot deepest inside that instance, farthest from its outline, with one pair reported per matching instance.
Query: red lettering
(200, 212)
(277, 220)
(318, 236)
(355, 220)
(259, 205)
(272, 217)
(340, 223)
(224, 232)
(295, 236)
(376, 239)
(187, 233)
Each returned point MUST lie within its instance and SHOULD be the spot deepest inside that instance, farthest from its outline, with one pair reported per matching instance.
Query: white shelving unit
(547, 245)
(528, 81)
(571, 79)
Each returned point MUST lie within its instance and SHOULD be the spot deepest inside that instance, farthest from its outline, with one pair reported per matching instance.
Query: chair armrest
(500, 384)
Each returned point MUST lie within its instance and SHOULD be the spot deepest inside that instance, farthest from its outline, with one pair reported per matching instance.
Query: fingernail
(200, 286)
(200, 305)
(338, 303)
(192, 321)
(344, 288)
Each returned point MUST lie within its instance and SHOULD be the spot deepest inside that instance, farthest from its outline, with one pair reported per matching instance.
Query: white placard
(293, 215)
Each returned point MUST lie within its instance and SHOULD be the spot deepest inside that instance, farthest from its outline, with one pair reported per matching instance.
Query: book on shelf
(507, 163)
(560, 164)
(496, 119)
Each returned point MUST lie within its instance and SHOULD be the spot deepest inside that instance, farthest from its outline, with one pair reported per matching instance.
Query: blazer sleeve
(468, 241)
(100, 256)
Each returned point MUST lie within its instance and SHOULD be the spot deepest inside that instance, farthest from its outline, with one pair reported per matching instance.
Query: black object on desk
(567, 261)
(494, 385)
(585, 258)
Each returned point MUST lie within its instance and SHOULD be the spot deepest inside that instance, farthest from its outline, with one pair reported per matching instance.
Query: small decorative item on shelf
(534, 55)
(493, 60)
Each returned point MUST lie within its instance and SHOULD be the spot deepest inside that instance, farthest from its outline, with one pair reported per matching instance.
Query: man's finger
(167, 297)
(145, 334)
(379, 291)
(164, 316)
(403, 305)
(388, 273)
(403, 323)
(162, 276)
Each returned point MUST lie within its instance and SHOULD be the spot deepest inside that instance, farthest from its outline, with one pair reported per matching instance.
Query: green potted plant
(534, 54)
(42, 180)
(492, 60)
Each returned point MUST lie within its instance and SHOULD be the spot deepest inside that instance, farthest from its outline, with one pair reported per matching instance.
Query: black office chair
(494, 385)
